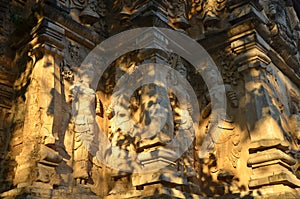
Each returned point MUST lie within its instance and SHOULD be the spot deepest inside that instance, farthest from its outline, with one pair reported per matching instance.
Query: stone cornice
(73, 29)
(247, 20)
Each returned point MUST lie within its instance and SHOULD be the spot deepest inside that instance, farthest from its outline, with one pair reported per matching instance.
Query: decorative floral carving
(177, 13)
(80, 4)
(93, 11)
(123, 9)
(196, 7)
(124, 6)
(74, 52)
(209, 12)
(225, 59)
(283, 37)
(66, 71)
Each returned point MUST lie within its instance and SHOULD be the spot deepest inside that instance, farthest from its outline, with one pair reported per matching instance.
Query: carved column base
(42, 191)
(153, 192)
(272, 175)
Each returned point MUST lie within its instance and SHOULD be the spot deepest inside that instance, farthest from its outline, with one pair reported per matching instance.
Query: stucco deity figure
(182, 112)
(121, 124)
(182, 115)
(155, 124)
(123, 132)
(84, 107)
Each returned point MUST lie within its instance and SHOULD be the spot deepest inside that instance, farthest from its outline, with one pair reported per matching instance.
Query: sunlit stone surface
(219, 122)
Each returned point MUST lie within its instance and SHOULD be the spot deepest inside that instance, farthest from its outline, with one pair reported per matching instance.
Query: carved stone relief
(226, 159)
(229, 68)
(177, 11)
(66, 71)
(71, 62)
(225, 140)
(80, 4)
(209, 11)
(283, 36)
(84, 130)
(91, 13)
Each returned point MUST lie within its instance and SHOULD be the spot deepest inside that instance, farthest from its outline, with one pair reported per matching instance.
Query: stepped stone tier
(119, 99)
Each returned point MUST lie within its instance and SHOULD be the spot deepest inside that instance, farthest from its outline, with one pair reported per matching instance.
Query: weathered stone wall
(52, 103)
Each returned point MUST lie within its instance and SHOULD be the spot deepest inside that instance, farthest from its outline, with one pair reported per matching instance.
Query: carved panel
(209, 12)
(177, 12)
(225, 60)
(73, 57)
(80, 4)
(284, 31)
(66, 71)
(235, 160)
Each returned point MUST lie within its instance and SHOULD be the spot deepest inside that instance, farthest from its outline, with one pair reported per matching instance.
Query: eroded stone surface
(62, 136)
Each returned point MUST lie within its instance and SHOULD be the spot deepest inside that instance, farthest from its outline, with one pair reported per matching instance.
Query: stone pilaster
(269, 158)
(38, 158)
